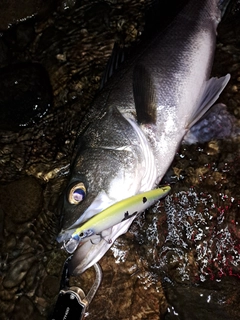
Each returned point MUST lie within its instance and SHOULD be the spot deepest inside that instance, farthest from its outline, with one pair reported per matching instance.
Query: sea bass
(137, 123)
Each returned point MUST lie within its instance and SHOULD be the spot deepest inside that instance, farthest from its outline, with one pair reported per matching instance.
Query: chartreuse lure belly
(118, 212)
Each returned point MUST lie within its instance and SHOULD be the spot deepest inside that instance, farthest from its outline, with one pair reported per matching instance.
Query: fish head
(100, 178)
(113, 162)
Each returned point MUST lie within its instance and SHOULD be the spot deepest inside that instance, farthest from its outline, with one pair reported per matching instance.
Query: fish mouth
(89, 245)
(89, 251)
(99, 203)
(92, 250)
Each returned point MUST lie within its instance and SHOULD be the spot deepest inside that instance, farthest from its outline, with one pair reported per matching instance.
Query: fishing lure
(117, 213)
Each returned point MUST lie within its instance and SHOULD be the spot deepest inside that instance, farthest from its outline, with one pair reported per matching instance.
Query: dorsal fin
(144, 95)
(115, 60)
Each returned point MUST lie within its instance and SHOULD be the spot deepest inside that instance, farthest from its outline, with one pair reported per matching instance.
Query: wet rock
(213, 300)
(22, 200)
(10, 243)
(24, 35)
(31, 280)
(1, 224)
(15, 11)
(18, 271)
(80, 61)
(5, 309)
(198, 259)
(25, 308)
(128, 289)
(66, 4)
(25, 95)
(7, 296)
(51, 286)
(3, 53)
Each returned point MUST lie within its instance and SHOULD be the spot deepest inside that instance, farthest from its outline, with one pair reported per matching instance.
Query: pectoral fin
(211, 92)
(217, 123)
(144, 95)
(211, 122)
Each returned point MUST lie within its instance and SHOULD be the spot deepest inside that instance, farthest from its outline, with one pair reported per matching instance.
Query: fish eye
(77, 193)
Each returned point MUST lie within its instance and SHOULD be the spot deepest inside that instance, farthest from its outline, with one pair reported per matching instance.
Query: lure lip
(71, 245)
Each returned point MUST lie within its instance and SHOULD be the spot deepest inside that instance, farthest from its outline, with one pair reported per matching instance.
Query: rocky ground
(181, 259)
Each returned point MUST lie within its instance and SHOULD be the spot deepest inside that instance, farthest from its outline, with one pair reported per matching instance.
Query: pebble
(51, 286)
(21, 200)
(25, 309)
(18, 271)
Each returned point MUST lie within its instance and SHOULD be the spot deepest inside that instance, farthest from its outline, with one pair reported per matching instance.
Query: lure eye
(77, 193)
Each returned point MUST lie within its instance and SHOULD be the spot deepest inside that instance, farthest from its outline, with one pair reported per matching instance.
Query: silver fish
(138, 122)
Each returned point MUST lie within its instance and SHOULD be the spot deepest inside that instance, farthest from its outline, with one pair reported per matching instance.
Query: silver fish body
(138, 121)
